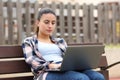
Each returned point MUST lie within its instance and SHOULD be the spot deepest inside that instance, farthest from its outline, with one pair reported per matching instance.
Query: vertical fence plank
(28, 18)
(85, 24)
(110, 24)
(10, 22)
(106, 26)
(45, 4)
(36, 9)
(69, 21)
(117, 23)
(77, 22)
(100, 24)
(61, 20)
(92, 26)
(114, 23)
(19, 21)
(53, 6)
(118, 30)
(1, 24)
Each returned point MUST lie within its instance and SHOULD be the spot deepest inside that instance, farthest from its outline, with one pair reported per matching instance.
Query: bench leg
(105, 73)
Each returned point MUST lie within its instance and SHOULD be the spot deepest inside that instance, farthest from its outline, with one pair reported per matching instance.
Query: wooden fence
(76, 23)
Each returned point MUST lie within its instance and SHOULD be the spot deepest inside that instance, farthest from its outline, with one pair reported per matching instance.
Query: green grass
(113, 46)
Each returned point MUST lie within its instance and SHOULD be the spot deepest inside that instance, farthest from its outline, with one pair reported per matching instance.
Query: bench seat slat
(19, 78)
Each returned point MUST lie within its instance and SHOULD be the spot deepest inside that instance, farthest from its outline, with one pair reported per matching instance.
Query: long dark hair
(40, 13)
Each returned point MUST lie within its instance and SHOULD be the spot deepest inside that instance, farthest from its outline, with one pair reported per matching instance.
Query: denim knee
(69, 75)
(93, 75)
(77, 76)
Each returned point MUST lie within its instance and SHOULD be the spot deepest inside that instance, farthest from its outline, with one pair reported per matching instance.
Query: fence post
(114, 10)
(10, 22)
(85, 24)
(91, 24)
(100, 24)
(61, 20)
(1, 24)
(77, 22)
(28, 18)
(69, 20)
(53, 6)
(19, 21)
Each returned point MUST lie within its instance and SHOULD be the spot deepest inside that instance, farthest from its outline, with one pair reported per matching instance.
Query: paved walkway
(114, 78)
(113, 55)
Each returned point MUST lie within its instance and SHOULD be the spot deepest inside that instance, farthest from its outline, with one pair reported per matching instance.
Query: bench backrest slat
(14, 67)
(11, 52)
(103, 62)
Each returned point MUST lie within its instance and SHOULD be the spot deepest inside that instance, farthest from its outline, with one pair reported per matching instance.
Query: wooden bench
(13, 66)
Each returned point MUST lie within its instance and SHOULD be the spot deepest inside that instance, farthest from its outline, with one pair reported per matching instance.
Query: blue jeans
(74, 75)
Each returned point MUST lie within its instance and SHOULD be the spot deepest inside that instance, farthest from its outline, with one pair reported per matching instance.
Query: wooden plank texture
(69, 20)
(19, 21)
(100, 24)
(18, 78)
(28, 19)
(1, 24)
(85, 24)
(18, 66)
(75, 23)
(10, 22)
(10, 52)
(61, 20)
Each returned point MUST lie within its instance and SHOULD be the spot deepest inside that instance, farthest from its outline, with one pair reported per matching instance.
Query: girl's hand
(54, 66)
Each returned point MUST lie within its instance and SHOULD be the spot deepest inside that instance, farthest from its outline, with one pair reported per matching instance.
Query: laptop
(81, 58)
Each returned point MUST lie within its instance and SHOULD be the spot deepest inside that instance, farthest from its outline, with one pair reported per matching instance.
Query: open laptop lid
(82, 57)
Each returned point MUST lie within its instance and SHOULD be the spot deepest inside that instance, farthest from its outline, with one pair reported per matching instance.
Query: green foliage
(113, 46)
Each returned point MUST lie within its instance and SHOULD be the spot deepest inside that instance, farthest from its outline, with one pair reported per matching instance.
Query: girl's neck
(44, 38)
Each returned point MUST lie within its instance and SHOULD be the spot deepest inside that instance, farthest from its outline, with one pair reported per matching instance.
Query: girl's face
(47, 24)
